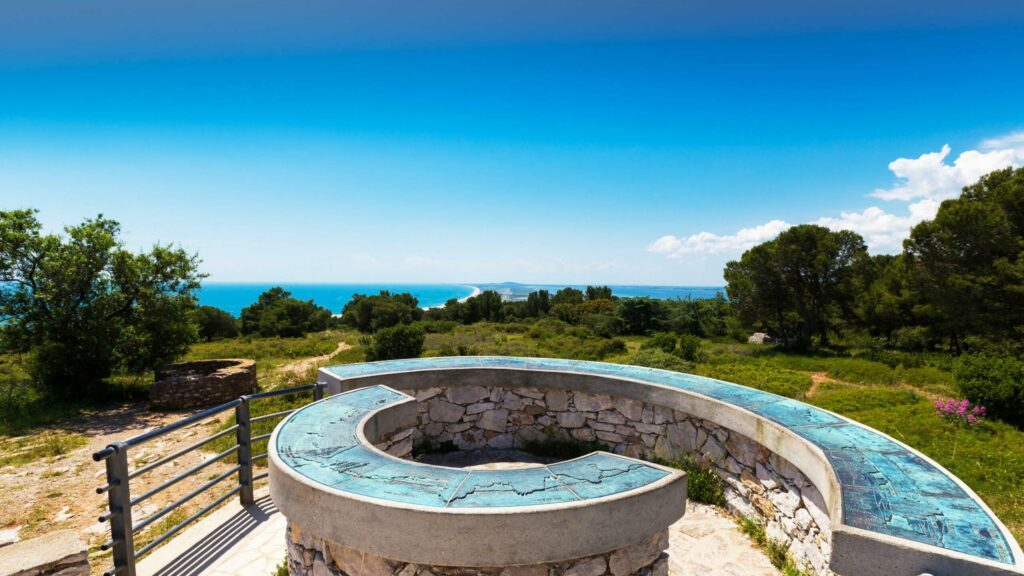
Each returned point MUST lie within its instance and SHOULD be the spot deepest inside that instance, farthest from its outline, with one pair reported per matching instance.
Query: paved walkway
(233, 541)
(250, 542)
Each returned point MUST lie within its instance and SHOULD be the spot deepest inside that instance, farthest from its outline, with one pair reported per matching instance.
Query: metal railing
(119, 477)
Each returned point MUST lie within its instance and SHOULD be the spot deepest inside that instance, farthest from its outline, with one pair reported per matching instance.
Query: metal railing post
(244, 435)
(318, 391)
(119, 499)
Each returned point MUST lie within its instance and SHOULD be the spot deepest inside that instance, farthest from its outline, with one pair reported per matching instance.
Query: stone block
(557, 400)
(60, 552)
(441, 411)
(465, 395)
(496, 420)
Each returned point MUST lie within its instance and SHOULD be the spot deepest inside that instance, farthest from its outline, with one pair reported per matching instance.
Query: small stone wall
(758, 483)
(59, 553)
(311, 555)
(202, 383)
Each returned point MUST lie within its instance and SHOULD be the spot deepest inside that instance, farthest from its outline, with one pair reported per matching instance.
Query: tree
(83, 306)
(215, 323)
(640, 315)
(968, 263)
(396, 342)
(276, 313)
(371, 313)
(538, 303)
(567, 295)
(799, 285)
(599, 293)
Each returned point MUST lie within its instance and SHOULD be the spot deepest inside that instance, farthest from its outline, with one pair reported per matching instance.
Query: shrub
(691, 348)
(995, 382)
(959, 412)
(603, 325)
(215, 323)
(401, 341)
(664, 341)
(912, 338)
(276, 313)
(762, 376)
(384, 310)
(655, 358)
(702, 484)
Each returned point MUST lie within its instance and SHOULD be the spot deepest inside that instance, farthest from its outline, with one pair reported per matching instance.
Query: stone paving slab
(233, 541)
(237, 542)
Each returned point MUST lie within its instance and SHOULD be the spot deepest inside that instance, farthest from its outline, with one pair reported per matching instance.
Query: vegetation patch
(28, 449)
(777, 552)
(702, 483)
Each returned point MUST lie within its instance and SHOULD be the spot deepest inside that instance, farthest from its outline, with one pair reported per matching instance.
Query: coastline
(476, 292)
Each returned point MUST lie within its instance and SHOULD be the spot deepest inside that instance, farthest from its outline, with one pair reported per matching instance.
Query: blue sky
(613, 142)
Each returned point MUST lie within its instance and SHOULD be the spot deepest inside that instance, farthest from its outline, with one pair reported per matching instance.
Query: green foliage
(28, 449)
(664, 341)
(760, 375)
(396, 342)
(777, 552)
(570, 296)
(800, 285)
(657, 358)
(599, 293)
(966, 263)
(276, 313)
(703, 317)
(84, 306)
(997, 383)
(215, 324)
(690, 348)
(371, 313)
(282, 568)
(702, 483)
(641, 315)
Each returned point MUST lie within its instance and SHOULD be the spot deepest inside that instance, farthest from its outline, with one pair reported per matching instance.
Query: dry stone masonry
(202, 383)
(758, 483)
(310, 554)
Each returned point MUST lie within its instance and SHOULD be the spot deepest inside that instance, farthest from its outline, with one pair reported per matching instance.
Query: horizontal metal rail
(182, 452)
(146, 437)
(118, 488)
(172, 531)
(156, 490)
(271, 416)
(167, 509)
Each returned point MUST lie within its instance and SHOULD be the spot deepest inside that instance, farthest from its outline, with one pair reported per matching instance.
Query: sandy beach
(476, 292)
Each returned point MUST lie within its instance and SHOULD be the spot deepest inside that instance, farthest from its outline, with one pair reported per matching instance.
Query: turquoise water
(235, 296)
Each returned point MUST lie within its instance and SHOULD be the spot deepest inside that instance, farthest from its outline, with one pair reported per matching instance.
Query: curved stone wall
(845, 497)
(202, 383)
(758, 483)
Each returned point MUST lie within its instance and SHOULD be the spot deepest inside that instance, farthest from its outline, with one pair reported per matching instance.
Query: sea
(232, 297)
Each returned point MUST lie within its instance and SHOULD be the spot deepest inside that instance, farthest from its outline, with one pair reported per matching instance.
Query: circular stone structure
(841, 497)
(202, 383)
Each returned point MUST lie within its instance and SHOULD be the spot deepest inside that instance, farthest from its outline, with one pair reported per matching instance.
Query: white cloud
(923, 183)
(708, 243)
(1011, 140)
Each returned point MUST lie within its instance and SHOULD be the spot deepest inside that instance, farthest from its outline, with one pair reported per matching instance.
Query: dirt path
(57, 493)
(816, 380)
(300, 367)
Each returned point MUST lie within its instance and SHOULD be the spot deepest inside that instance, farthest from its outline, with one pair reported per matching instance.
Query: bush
(603, 325)
(384, 310)
(401, 341)
(664, 341)
(276, 313)
(762, 376)
(215, 323)
(655, 358)
(691, 349)
(994, 382)
(702, 484)
(912, 338)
